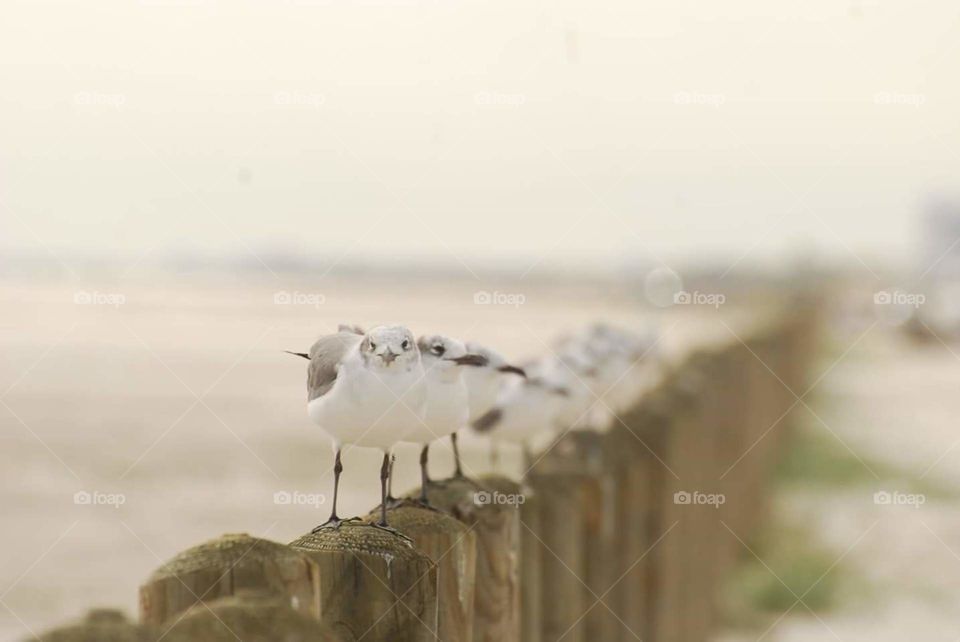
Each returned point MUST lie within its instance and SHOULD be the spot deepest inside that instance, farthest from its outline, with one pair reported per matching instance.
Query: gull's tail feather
(514, 370)
(299, 354)
(488, 420)
(350, 327)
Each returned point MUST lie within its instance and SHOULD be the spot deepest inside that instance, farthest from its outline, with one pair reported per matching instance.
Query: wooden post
(724, 445)
(624, 585)
(669, 560)
(372, 583)
(689, 461)
(100, 624)
(497, 527)
(224, 565)
(705, 555)
(531, 567)
(452, 546)
(585, 453)
(251, 616)
(561, 536)
(636, 454)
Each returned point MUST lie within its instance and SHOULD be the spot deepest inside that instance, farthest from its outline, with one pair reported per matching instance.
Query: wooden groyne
(622, 535)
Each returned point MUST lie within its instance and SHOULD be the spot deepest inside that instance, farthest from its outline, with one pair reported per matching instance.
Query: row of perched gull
(379, 387)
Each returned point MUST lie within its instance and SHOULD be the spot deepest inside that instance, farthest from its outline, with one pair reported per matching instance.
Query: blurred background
(189, 187)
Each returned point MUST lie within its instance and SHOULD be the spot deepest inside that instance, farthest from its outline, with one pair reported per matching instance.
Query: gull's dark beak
(513, 370)
(388, 356)
(470, 360)
(299, 354)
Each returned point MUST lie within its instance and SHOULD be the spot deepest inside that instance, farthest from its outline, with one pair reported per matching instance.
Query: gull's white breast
(371, 409)
(447, 408)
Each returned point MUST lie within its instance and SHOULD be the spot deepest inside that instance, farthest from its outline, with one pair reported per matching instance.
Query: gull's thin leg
(390, 498)
(384, 478)
(424, 475)
(458, 470)
(334, 521)
(337, 469)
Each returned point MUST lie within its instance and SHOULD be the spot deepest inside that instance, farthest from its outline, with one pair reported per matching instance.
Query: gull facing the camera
(365, 390)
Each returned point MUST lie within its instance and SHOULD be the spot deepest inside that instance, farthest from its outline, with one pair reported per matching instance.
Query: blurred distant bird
(486, 373)
(523, 409)
(365, 389)
(625, 357)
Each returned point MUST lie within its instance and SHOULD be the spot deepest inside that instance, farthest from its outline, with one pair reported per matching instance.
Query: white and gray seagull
(368, 390)
(448, 407)
(524, 410)
(487, 372)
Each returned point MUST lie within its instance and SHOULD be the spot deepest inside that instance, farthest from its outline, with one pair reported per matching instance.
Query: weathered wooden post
(627, 538)
(452, 546)
(654, 419)
(372, 583)
(676, 401)
(221, 567)
(641, 531)
(561, 536)
(496, 614)
(531, 568)
(585, 454)
(251, 616)
(107, 625)
(727, 442)
(690, 461)
(706, 368)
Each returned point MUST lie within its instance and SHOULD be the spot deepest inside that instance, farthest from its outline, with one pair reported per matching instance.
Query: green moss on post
(251, 616)
(220, 568)
(100, 625)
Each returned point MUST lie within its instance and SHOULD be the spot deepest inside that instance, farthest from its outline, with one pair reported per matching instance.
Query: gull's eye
(373, 346)
(405, 345)
(437, 350)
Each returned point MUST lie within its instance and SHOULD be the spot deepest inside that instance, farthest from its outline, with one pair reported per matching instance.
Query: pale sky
(486, 131)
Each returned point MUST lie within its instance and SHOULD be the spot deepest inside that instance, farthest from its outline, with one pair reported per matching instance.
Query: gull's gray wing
(325, 358)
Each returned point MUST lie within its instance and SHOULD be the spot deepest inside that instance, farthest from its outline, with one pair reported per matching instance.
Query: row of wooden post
(623, 535)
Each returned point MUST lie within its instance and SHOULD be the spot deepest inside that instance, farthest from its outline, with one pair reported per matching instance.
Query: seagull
(448, 406)
(484, 378)
(368, 390)
(524, 408)
(623, 370)
(574, 370)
